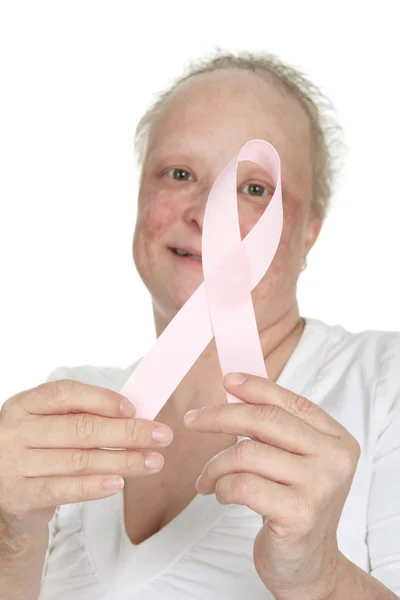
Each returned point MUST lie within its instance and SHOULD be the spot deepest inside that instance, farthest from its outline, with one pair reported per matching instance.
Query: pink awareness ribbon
(222, 306)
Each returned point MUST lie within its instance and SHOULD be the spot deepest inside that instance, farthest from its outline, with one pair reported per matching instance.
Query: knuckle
(347, 463)
(54, 392)
(8, 405)
(344, 457)
(82, 491)
(220, 491)
(298, 405)
(63, 388)
(132, 429)
(268, 414)
(217, 413)
(80, 460)
(244, 487)
(245, 450)
(239, 488)
(84, 424)
(355, 449)
(132, 461)
(11, 408)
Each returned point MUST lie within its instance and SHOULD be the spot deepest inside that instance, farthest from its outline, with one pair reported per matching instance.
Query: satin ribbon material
(222, 306)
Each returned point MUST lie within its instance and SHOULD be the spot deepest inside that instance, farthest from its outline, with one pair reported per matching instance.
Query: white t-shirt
(206, 551)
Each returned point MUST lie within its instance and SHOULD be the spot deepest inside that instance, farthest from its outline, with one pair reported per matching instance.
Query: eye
(180, 174)
(255, 189)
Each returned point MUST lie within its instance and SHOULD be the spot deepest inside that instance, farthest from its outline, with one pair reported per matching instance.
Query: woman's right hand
(51, 440)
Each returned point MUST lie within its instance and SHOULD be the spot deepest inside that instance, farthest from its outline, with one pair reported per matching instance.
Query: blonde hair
(326, 132)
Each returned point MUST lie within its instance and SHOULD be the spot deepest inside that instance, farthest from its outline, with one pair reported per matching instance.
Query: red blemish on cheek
(157, 213)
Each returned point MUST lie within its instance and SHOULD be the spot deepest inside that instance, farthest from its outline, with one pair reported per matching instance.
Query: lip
(187, 249)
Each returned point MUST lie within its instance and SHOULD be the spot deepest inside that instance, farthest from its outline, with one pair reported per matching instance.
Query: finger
(126, 463)
(44, 492)
(85, 430)
(266, 498)
(258, 390)
(250, 456)
(267, 423)
(68, 396)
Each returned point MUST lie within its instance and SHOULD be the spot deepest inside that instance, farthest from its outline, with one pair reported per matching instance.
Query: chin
(168, 302)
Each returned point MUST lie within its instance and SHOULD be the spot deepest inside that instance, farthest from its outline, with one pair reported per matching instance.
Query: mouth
(185, 254)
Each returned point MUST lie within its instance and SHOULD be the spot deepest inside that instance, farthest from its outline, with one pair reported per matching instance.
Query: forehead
(213, 114)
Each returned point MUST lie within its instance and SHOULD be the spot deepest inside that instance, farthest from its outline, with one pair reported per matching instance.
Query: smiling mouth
(184, 253)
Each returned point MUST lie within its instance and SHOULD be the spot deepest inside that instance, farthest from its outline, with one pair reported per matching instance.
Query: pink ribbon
(221, 307)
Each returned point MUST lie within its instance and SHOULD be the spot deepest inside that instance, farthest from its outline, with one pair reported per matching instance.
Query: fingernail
(234, 378)
(162, 434)
(127, 409)
(113, 483)
(154, 462)
(192, 415)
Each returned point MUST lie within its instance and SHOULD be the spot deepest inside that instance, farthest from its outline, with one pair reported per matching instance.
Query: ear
(314, 226)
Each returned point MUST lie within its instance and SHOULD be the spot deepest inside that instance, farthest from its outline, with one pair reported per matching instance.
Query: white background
(76, 77)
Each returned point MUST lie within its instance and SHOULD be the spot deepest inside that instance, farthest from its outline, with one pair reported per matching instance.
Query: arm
(383, 528)
(356, 583)
(22, 558)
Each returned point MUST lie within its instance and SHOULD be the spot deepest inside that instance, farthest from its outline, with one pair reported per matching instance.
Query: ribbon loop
(222, 306)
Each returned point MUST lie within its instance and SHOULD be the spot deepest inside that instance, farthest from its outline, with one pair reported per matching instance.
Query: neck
(203, 383)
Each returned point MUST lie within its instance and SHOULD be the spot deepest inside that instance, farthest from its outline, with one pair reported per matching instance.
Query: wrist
(325, 589)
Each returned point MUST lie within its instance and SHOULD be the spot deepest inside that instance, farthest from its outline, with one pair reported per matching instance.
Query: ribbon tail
(176, 350)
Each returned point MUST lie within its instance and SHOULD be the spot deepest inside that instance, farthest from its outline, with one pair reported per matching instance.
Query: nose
(194, 212)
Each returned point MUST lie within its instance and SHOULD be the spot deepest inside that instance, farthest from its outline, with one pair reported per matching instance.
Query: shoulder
(376, 350)
(112, 378)
(361, 370)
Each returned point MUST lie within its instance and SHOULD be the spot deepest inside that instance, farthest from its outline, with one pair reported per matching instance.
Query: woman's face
(202, 125)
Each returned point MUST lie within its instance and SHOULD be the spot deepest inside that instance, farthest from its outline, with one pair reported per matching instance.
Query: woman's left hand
(296, 472)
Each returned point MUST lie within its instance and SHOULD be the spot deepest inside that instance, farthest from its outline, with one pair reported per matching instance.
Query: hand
(296, 472)
(54, 442)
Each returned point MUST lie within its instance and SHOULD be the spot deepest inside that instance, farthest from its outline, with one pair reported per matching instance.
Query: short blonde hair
(326, 132)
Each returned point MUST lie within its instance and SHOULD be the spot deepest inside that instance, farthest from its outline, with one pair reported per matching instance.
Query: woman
(309, 505)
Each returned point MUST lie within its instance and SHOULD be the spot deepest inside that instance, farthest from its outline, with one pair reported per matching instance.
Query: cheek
(294, 219)
(294, 224)
(286, 265)
(156, 213)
